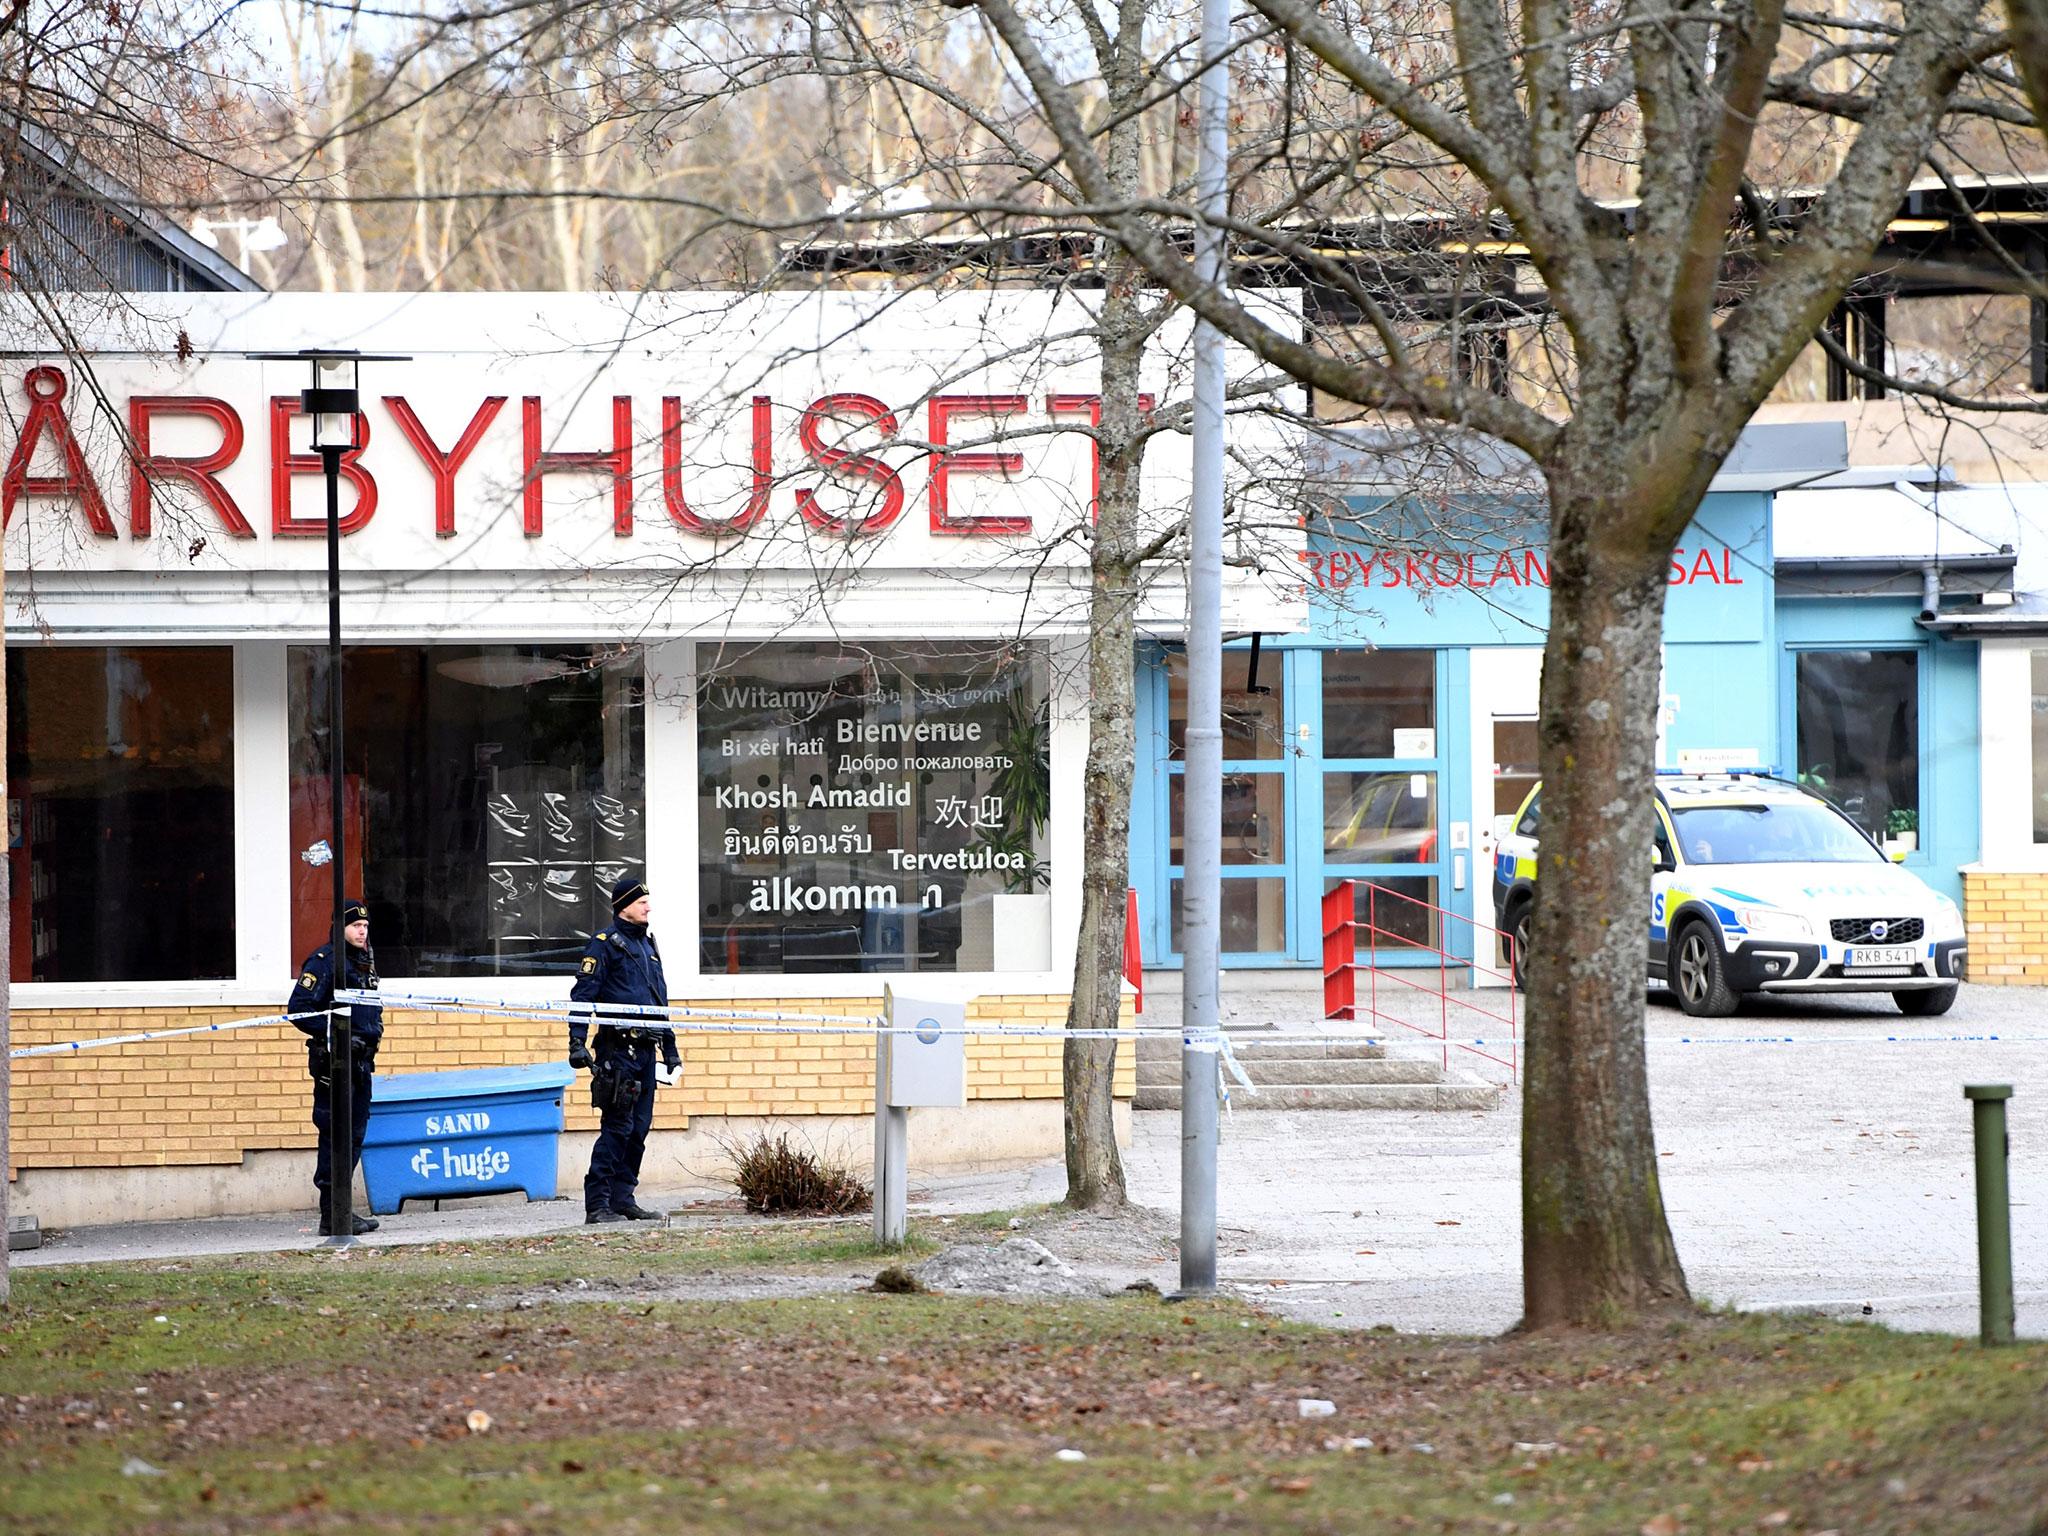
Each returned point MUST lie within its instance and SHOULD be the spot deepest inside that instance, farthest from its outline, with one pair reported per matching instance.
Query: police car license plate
(1896, 954)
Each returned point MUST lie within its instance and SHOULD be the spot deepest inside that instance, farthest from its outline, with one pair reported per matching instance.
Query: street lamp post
(334, 402)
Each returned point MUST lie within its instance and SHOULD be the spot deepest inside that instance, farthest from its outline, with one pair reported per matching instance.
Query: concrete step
(1434, 1096)
(1304, 1072)
(1270, 1048)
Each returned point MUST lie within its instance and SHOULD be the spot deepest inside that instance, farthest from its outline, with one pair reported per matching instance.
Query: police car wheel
(1518, 930)
(1699, 977)
(1925, 1003)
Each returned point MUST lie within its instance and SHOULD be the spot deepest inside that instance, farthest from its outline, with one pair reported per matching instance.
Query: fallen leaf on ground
(1664, 1525)
(478, 1421)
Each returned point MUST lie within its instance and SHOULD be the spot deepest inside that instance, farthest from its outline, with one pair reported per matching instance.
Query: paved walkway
(1829, 1168)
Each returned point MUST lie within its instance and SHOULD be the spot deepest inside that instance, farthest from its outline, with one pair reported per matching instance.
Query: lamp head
(333, 402)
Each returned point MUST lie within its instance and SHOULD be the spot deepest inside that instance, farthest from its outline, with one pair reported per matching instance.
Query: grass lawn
(464, 1388)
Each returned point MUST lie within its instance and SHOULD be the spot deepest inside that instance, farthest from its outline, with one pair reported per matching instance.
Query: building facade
(1384, 740)
(775, 602)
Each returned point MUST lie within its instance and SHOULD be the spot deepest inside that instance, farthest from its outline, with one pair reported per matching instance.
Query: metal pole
(892, 1143)
(340, 1038)
(1994, 1213)
(1202, 886)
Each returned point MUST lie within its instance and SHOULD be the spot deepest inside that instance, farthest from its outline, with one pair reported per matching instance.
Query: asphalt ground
(1813, 1155)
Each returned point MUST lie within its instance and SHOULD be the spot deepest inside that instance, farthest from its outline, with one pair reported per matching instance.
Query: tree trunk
(1596, 1247)
(2030, 52)
(1095, 1170)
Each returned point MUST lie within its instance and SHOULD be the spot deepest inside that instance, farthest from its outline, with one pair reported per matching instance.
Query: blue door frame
(1302, 768)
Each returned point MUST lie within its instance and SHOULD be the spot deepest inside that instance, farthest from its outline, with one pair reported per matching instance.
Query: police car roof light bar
(1720, 773)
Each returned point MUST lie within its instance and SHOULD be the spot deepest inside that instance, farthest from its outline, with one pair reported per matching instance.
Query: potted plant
(1901, 831)
(1011, 929)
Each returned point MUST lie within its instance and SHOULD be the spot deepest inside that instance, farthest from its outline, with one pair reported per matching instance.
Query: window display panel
(492, 794)
(121, 812)
(873, 808)
(1859, 738)
(1369, 695)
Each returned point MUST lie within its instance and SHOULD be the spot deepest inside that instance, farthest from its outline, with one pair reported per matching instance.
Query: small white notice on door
(1708, 759)
(1414, 743)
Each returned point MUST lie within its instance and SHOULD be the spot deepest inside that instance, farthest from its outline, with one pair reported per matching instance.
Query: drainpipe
(1930, 591)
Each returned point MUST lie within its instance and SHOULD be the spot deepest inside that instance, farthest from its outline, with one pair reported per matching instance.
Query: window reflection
(873, 808)
(1254, 818)
(1379, 818)
(1396, 912)
(1254, 721)
(121, 812)
(491, 796)
(1253, 916)
(1859, 737)
(1369, 695)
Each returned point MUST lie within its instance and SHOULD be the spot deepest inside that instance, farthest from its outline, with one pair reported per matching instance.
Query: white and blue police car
(1762, 886)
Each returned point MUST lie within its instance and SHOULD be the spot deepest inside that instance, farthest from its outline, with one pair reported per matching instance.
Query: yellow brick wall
(211, 1098)
(2007, 919)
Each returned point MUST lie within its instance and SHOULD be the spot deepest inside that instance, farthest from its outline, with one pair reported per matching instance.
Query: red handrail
(1341, 966)
(1134, 958)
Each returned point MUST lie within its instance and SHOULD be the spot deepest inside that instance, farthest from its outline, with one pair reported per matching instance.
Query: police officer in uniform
(315, 994)
(621, 965)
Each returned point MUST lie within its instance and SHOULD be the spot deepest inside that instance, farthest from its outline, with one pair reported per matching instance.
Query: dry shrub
(778, 1177)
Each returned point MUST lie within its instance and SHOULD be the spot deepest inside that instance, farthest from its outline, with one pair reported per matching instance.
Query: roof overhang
(1363, 461)
(1893, 575)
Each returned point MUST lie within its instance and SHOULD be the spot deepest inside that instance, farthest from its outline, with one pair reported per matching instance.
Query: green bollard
(1994, 1213)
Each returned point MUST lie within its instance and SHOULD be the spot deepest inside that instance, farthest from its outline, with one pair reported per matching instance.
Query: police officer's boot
(361, 1225)
(601, 1218)
(633, 1211)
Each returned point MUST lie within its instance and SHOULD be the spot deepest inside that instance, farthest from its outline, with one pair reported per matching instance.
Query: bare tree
(1666, 319)
(1572, 229)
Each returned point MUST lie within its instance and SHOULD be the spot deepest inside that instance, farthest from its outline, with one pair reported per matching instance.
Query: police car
(1762, 886)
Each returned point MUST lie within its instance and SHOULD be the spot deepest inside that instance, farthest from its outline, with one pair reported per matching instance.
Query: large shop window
(1859, 737)
(121, 816)
(873, 808)
(492, 794)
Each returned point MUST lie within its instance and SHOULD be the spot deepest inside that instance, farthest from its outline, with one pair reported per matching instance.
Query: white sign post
(920, 1062)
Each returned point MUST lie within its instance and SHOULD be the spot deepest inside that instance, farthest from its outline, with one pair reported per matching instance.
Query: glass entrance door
(1333, 769)
(1257, 791)
(1506, 682)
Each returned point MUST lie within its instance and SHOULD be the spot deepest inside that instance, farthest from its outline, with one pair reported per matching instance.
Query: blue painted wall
(1728, 682)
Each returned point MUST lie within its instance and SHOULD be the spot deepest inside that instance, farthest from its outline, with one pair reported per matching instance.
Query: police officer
(621, 965)
(314, 995)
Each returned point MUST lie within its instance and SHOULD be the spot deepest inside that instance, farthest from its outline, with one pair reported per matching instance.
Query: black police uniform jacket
(315, 994)
(623, 965)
